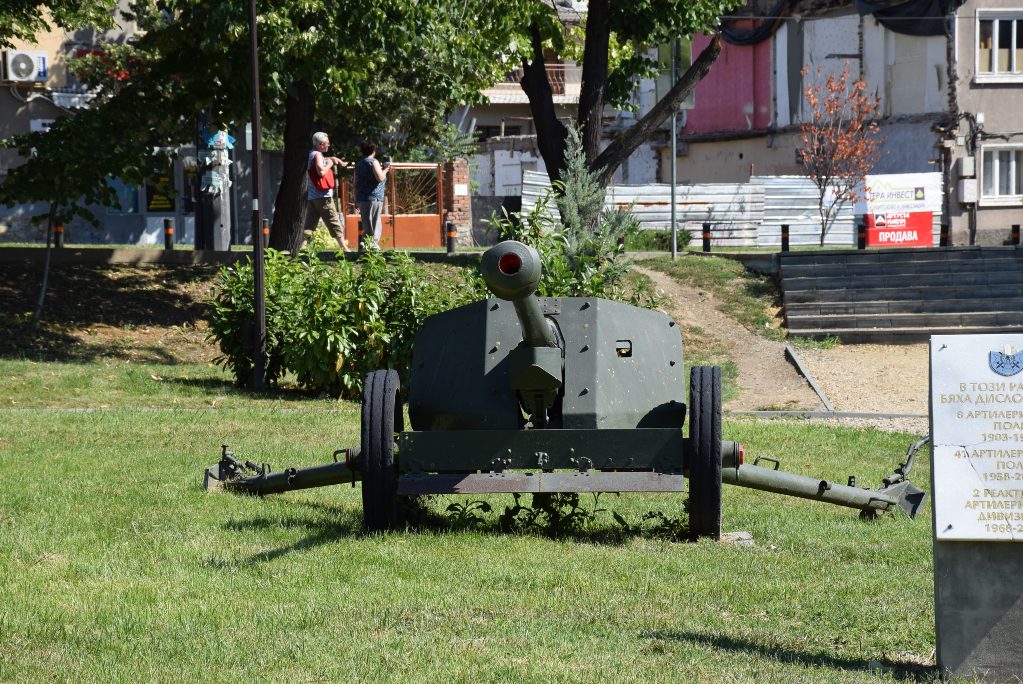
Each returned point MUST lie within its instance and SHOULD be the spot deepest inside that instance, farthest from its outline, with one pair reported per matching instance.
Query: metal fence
(734, 210)
(792, 201)
(740, 214)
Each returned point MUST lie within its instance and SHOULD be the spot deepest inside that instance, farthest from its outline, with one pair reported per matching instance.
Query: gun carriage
(527, 394)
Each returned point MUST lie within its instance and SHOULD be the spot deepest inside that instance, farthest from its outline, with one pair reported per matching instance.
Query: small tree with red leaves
(839, 140)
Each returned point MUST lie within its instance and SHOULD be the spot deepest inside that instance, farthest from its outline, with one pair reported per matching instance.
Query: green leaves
(580, 249)
(329, 324)
(23, 19)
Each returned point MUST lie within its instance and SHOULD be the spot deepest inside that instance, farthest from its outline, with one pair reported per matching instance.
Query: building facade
(983, 143)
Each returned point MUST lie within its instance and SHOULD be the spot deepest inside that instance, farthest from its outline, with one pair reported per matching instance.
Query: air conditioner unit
(23, 66)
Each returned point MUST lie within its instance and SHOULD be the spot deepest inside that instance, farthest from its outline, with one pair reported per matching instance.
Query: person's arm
(321, 164)
(379, 171)
(324, 163)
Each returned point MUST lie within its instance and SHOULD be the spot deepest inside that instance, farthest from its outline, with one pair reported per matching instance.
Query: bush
(579, 248)
(657, 240)
(331, 323)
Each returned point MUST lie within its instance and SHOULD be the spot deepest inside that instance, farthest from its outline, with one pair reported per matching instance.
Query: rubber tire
(381, 418)
(705, 452)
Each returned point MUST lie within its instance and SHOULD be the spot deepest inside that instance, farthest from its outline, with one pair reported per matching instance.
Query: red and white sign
(900, 229)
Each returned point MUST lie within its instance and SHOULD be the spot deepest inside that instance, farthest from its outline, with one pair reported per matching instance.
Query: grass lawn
(118, 567)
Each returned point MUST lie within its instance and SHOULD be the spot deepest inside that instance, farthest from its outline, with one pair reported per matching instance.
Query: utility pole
(258, 263)
(674, 151)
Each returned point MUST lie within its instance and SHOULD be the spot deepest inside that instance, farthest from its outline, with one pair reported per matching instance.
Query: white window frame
(1015, 15)
(999, 200)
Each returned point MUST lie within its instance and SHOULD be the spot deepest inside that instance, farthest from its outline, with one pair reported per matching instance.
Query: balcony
(565, 80)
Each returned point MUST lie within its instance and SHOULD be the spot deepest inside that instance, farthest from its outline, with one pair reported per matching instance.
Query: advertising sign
(899, 208)
(900, 229)
(156, 201)
(901, 192)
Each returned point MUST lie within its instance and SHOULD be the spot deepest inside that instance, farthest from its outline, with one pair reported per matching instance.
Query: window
(999, 46)
(683, 59)
(1002, 175)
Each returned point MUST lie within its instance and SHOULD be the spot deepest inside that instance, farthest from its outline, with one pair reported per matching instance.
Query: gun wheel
(381, 418)
(705, 452)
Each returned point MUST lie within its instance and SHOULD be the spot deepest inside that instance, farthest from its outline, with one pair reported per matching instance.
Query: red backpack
(321, 183)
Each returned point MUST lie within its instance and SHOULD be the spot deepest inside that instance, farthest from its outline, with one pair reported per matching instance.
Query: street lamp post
(674, 152)
(259, 329)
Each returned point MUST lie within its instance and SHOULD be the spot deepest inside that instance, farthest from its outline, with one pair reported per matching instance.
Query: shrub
(331, 323)
(579, 248)
(654, 240)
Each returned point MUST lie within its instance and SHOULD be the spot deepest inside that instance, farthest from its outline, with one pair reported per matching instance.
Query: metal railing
(565, 79)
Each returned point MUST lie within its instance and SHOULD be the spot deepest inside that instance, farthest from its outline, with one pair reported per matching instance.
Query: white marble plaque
(977, 436)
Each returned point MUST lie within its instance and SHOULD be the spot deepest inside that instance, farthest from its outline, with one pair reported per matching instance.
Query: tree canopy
(24, 19)
(384, 69)
(613, 57)
(357, 68)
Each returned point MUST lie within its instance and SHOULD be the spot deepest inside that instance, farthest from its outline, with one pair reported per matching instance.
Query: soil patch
(766, 379)
(868, 378)
(150, 313)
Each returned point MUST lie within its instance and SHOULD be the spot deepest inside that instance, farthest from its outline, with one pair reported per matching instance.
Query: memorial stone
(977, 484)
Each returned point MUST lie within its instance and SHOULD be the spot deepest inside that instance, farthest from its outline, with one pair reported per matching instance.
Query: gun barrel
(512, 272)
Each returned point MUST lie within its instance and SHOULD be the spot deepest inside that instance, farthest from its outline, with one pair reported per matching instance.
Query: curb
(791, 355)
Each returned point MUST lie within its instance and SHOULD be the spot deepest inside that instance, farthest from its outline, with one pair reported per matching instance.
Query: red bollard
(58, 236)
(168, 233)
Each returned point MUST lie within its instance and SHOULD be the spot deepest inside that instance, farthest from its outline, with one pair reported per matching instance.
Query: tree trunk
(624, 145)
(594, 81)
(38, 313)
(550, 133)
(289, 209)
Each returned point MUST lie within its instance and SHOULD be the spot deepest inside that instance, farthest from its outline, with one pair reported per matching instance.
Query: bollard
(706, 237)
(861, 235)
(58, 236)
(168, 233)
(452, 236)
(784, 237)
(943, 235)
(1015, 233)
(266, 232)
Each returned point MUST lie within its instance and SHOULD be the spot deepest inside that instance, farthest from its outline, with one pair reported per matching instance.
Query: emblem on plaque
(1006, 362)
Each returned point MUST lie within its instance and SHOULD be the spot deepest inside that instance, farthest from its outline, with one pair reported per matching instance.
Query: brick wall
(457, 202)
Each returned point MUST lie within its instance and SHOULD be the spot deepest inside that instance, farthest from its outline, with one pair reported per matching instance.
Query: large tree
(24, 19)
(616, 35)
(379, 68)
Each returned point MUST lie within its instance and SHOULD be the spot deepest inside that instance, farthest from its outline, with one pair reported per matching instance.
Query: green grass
(750, 298)
(113, 383)
(118, 567)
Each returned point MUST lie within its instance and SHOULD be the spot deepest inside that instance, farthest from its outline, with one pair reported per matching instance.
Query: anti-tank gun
(527, 394)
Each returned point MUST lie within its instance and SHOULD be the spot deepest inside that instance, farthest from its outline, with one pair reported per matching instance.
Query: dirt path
(862, 378)
(767, 380)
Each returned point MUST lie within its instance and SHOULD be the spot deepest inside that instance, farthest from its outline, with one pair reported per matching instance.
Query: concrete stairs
(902, 295)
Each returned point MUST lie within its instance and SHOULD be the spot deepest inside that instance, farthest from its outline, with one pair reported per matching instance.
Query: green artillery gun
(525, 394)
